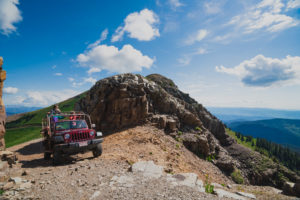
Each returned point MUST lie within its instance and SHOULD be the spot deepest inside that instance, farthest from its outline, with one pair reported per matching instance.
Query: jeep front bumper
(76, 147)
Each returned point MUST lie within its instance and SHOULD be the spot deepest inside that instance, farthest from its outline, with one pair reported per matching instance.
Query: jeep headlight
(67, 136)
(92, 133)
(99, 134)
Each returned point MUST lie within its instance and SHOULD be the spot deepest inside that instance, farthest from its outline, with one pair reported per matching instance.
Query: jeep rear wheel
(97, 151)
(47, 155)
(56, 158)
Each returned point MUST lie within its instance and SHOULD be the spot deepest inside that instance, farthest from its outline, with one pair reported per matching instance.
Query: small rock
(189, 180)
(95, 195)
(26, 185)
(250, 196)
(3, 165)
(24, 173)
(297, 189)
(17, 180)
(288, 188)
(148, 169)
(223, 193)
(217, 185)
(199, 183)
(8, 185)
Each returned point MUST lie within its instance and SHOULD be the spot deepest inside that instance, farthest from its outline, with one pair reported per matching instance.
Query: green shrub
(237, 177)
(209, 188)
(198, 128)
(210, 158)
(179, 133)
(178, 139)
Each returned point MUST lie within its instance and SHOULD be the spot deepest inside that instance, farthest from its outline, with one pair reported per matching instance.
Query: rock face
(127, 100)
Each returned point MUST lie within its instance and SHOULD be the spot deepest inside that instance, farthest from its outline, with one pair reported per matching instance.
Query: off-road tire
(97, 151)
(57, 158)
(47, 155)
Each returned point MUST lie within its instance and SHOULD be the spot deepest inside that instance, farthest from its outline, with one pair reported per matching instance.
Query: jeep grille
(80, 136)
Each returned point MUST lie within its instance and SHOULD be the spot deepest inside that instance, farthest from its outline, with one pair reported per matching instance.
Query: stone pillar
(2, 108)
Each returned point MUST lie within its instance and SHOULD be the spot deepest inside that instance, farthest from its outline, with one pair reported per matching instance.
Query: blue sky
(224, 53)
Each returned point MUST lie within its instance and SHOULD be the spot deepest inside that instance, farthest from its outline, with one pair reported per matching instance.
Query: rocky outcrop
(127, 100)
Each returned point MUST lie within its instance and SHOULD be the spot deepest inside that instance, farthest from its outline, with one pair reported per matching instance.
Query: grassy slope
(247, 144)
(28, 126)
(239, 141)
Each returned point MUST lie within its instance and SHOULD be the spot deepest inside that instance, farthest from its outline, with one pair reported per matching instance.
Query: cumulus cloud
(110, 58)
(262, 71)
(93, 70)
(76, 83)
(213, 7)
(175, 4)
(9, 16)
(139, 25)
(58, 74)
(45, 98)
(293, 4)
(10, 90)
(102, 38)
(198, 36)
(267, 15)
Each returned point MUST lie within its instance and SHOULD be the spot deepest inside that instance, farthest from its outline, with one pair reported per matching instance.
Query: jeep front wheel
(47, 155)
(56, 158)
(97, 151)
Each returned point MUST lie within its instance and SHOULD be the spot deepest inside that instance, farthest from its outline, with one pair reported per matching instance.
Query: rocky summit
(127, 100)
(159, 144)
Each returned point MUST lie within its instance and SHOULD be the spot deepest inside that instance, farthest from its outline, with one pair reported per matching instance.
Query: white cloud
(200, 51)
(267, 15)
(93, 70)
(198, 36)
(45, 98)
(83, 81)
(187, 58)
(212, 7)
(90, 80)
(9, 15)
(262, 71)
(175, 4)
(293, 4)
(10, 90)
(102, 38)
(110, 58)
(139, 25)
(58, 74)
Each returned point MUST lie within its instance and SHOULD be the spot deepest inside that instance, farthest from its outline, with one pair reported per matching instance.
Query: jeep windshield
(74, 124)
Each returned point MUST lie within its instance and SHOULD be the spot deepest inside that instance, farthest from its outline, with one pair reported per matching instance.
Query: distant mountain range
(228, 115)
(11, 110)
(279, 126)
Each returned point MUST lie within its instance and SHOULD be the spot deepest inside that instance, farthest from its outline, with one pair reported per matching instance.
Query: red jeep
(69, 133)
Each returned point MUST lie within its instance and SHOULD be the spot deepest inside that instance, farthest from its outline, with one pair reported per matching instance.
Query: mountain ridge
(127, 100)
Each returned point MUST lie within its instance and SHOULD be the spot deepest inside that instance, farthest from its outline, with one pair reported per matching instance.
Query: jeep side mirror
(93, 125)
